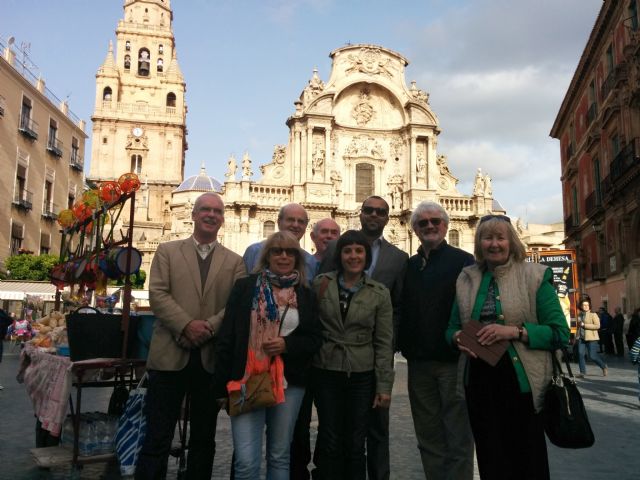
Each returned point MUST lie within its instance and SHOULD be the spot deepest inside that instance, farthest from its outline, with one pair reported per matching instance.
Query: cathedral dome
(200, 183)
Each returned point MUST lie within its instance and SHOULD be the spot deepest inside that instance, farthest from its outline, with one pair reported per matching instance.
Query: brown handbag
(256, 393)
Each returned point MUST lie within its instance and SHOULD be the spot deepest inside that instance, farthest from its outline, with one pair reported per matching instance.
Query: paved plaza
(612, 403)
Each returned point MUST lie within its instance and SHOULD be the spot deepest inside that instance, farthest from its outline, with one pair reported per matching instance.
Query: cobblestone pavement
(612, 403)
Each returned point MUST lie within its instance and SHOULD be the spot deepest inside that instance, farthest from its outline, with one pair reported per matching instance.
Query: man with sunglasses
(439, 411)
(387, 267)
(293, 218)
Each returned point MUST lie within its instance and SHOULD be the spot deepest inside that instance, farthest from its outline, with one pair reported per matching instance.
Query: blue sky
(496, 71)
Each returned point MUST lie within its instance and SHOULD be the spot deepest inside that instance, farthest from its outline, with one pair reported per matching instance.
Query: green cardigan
(545, 317)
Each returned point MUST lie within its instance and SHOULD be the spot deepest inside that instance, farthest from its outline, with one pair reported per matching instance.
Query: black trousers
(165, 394)
(344, 409)
(509, 435)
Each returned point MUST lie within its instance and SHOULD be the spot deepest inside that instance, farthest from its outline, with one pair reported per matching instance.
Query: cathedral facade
(364, 131)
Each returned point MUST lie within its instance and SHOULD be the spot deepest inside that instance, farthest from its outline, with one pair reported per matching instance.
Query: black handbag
(565, 418)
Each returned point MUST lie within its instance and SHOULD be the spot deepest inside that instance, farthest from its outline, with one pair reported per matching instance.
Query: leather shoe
(605, 371)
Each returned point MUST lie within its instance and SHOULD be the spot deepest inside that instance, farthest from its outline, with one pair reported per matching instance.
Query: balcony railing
(625, 160)
(593, 202)
(50, 211)
(28, 127)
(76, 161)
(605, 186)
(592, 113)
(23, 199)
(2, 105)
(598, 271)
(54, 146)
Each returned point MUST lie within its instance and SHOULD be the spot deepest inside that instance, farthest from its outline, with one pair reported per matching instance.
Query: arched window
(106, 94)
(127, 46)
(159, 65)
(127, 62)
(160, 49)
(268, 228)
(171, 99)
(364, 181)
(136, 164)
(144, 61)
(454, 238)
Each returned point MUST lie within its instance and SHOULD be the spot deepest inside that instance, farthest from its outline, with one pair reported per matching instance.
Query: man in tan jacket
(189, 283)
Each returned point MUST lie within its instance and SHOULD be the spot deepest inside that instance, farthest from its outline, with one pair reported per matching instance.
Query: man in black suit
(387, 267)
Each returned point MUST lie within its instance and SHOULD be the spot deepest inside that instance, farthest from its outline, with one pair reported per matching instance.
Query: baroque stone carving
(397, 147)
(363, 111)
(418, 94)
(421, 162)
(482, 185)
(314, 88)
(364, 146)
(441, 161)
(370, 61)
(279, 152)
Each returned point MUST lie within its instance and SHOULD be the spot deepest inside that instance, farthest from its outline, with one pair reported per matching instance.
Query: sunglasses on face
(381, 212)
(289, 252)
(426, 221)
(504, 218)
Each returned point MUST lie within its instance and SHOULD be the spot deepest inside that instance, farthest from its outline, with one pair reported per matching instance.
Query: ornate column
(413, 173)
(327, 153)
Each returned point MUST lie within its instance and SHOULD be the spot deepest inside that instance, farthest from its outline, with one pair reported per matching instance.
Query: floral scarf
(265, 324)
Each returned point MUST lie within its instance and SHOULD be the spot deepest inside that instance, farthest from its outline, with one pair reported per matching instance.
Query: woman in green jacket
(517, 304)
(353, 370)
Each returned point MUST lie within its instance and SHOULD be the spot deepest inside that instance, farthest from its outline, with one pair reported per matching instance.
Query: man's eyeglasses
(504, 218)
(289, 252)
(425, 221)
(381, 212)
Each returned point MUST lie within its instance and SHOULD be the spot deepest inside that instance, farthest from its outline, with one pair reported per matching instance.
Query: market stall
(92, 347)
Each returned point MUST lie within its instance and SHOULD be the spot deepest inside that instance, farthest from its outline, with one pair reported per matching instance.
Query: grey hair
(425, 206)
(284, 207)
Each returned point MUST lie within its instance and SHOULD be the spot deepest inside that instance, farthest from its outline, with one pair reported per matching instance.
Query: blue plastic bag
(131, 431)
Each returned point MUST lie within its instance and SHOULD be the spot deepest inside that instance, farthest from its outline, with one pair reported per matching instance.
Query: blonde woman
(588, 325)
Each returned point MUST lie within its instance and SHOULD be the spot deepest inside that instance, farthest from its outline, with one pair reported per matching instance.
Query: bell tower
(139, 120)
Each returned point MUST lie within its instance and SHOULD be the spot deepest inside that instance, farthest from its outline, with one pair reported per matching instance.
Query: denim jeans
(344, 410)
(591, 348)
(248, 430)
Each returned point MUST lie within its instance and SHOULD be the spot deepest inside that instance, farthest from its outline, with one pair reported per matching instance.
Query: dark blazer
(389, 271)
(232, 340)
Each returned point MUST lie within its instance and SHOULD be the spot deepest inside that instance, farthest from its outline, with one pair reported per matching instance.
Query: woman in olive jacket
(353, 370)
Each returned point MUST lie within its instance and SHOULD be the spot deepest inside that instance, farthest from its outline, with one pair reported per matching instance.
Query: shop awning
(16, 290)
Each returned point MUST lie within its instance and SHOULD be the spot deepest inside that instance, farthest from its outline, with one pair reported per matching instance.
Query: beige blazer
(177, 297)
(591, 326)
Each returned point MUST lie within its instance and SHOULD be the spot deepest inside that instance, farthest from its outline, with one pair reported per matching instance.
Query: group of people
(324, 329)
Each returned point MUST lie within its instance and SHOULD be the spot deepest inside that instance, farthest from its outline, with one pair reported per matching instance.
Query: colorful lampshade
(110, 192)
(129, 182)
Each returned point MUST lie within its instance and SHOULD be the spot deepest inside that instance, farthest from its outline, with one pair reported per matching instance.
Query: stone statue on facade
(246, 167)
(488, 191)
(443, 167)
(317, 160)
(421, 164)
(395, 184)
(232, 167)
(478, 185)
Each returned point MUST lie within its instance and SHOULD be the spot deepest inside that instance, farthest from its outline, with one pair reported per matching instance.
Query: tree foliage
(30, 267)
(137, 280)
